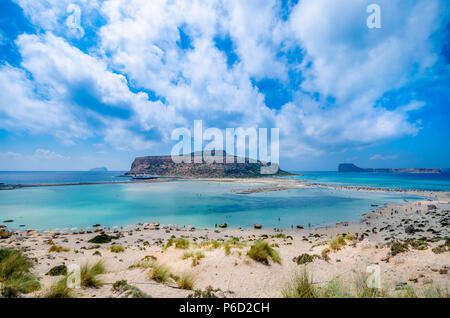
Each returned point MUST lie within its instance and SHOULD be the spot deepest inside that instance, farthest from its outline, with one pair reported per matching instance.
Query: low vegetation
(159, 273)
(304, 259)
(15, 274)
(128, 291)
(338, 242)
(181, 243)
(398, 247)
(117, 249)
(101, 239)
(58, 271)
(59, 290)
(89, 275)
(196, 257)
(261, 252)
(186, 281)
(57, 249)
(302, 285)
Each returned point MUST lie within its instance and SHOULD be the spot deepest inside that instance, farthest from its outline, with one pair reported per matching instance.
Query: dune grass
(117, 249)
(186, 281)
(89, 275)
(15, 274)
(181, 243)
(59, 290)
(196, 257)
(301, 286)
(261, 252)
(337, 243)
(57, 249)
(159, 273)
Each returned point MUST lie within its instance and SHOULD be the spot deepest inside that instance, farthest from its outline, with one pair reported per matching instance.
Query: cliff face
(165, 167)
(349, 167)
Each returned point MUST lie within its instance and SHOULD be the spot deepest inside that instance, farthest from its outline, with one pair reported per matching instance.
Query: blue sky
(97, 83)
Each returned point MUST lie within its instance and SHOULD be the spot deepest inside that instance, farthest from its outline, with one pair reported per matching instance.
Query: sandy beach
(228, 269)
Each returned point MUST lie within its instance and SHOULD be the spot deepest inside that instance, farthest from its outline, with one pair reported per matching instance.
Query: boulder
(257, 226)
(4, 233)
(300, 227)
(223, 225)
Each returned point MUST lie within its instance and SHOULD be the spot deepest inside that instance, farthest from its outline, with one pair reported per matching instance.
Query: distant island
(99, 169)
(164, 166)
(350, 167)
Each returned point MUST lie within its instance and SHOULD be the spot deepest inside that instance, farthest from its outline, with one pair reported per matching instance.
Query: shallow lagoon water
(200, 204)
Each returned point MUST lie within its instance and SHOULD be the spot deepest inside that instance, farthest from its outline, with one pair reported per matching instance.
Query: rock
(300, 227)
(443, 270)
(413, 279)
(4, 233)
(431, 207)
(409, 229)
(223, 225)
(8, 221)
(338, 260)
(257, 226)
(96, 225)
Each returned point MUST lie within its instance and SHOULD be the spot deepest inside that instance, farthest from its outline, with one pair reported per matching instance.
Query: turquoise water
(201, 204)
(55, 177)
(408, 181)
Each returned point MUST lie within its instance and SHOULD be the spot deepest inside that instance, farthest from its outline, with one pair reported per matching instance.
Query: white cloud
(47, 154)
(343, 61)
(383, 157)
(10, 155)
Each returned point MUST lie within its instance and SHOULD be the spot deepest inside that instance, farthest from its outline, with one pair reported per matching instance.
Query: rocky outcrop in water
(164, 166)
(350, 167)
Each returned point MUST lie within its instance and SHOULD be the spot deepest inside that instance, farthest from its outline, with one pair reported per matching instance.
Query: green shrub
(117, 249)
(101, 239)
(58, 249)
(58, 270)
(304, 259)
(122, 287)
(398, 247)
(261, 251)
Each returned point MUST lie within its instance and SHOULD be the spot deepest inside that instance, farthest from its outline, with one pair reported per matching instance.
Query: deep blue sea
(408, 181)
(201, 204)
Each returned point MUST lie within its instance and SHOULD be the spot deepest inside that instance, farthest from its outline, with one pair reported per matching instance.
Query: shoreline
(269, 185)
(237, 275)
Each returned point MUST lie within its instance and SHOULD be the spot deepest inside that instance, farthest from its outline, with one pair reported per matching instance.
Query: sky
(92, 83)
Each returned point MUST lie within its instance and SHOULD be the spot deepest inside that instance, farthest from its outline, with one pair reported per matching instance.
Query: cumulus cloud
(137, 82)
(47, 154)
